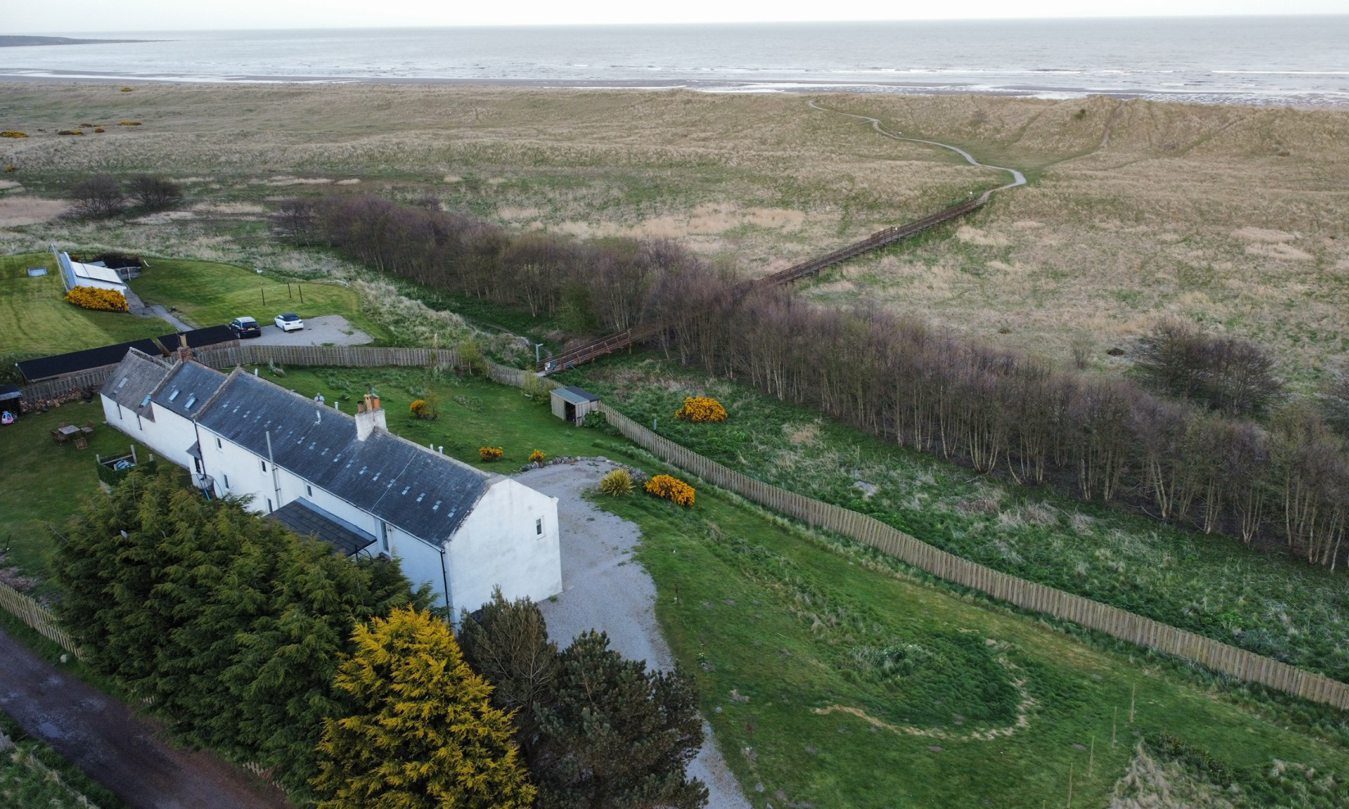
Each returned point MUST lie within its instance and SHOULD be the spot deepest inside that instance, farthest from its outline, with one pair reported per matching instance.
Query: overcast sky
(82, 16)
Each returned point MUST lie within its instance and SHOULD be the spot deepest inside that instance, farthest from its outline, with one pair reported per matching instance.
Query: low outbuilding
(572, 404)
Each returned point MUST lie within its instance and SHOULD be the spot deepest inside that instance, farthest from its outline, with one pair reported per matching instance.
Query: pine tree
(421, 731)
(615, 735)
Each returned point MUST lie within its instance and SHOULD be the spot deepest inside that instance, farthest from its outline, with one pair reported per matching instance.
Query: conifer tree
(615, 735)
(507, 643)
(421, 730)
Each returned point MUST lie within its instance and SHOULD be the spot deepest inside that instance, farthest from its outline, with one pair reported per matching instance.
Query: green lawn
(778, 625)
(208, 294)
(36, 321)
(42, 482)
(1212, 585)
(473, 412)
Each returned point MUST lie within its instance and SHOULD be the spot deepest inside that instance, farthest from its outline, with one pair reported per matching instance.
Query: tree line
(333, 675)
(1178, 443)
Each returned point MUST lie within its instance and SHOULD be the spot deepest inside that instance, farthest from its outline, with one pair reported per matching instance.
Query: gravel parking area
(605, 589)
(318, 331)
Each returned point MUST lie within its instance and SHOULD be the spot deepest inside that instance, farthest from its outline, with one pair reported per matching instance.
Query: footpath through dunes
(881, 238)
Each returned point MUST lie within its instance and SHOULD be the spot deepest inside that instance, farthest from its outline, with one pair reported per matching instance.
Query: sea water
(1282, 60)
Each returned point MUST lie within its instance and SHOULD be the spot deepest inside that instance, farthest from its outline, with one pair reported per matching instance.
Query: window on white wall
(218, 444)
(227, 480)
(538, 527)
(269, 505)
(308, 490)
(264, 466)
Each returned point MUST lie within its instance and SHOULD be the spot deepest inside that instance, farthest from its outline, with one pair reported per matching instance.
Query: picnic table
(66, 432)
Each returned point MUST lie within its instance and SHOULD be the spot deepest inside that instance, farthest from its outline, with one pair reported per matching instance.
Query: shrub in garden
(537, 456)
(13, 133)
(699, 409)
(490, 453)
(617, 483)
(422, 409)
(672, 489)
(103, 300)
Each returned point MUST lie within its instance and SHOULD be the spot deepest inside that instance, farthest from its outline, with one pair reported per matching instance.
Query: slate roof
(187, 388)
(307, 519)
(575, 395)
(135, 378)
(424, 493)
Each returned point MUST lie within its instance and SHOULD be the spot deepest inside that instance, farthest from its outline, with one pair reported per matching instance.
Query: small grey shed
(572, 403)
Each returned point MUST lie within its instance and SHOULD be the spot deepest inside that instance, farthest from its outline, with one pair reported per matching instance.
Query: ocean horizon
(1298, 60)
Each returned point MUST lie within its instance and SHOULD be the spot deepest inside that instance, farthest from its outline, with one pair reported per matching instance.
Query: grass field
(1230, 216)
(931, 699)
(1209, 584)
(35, 319)
(209, 293)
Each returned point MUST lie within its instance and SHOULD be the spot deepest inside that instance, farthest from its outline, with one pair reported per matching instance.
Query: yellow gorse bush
(13, 133)
(537, 456)
(422, 409)
(103, 300)
(672, 489)
(700, 409)
(490, 453)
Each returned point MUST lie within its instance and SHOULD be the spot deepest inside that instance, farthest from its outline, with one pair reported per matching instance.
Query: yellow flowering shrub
(701, 408)
(103, 300)
(537, 456)
(672, 489)
(13, 133)
(422, 409)
(491, 453)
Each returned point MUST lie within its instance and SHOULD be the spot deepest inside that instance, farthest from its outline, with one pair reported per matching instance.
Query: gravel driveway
(317, 331)
(605, 589)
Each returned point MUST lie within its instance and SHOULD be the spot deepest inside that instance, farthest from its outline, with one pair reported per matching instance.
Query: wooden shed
(572, 403)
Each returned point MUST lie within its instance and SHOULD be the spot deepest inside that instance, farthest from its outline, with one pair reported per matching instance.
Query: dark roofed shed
(573, 404)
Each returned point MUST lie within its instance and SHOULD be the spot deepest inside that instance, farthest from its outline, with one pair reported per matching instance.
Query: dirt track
(101, 736)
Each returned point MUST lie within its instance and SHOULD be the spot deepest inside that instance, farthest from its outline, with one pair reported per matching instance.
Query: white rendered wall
(498, 546)
(169, 435)
(173, 435)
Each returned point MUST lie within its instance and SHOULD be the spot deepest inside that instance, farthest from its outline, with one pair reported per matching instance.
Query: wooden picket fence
(36, 616)
(1118, 623)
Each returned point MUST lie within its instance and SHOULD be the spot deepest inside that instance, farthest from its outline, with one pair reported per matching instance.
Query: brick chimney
(369, 416)
(184, 351)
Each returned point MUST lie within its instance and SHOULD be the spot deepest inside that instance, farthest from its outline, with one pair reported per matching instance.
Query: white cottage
(346, 480)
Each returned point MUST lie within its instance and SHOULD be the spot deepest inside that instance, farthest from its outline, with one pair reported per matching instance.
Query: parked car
(289, 322)
(245, 327)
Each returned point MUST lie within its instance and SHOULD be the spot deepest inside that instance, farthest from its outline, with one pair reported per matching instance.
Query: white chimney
(369, 416)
